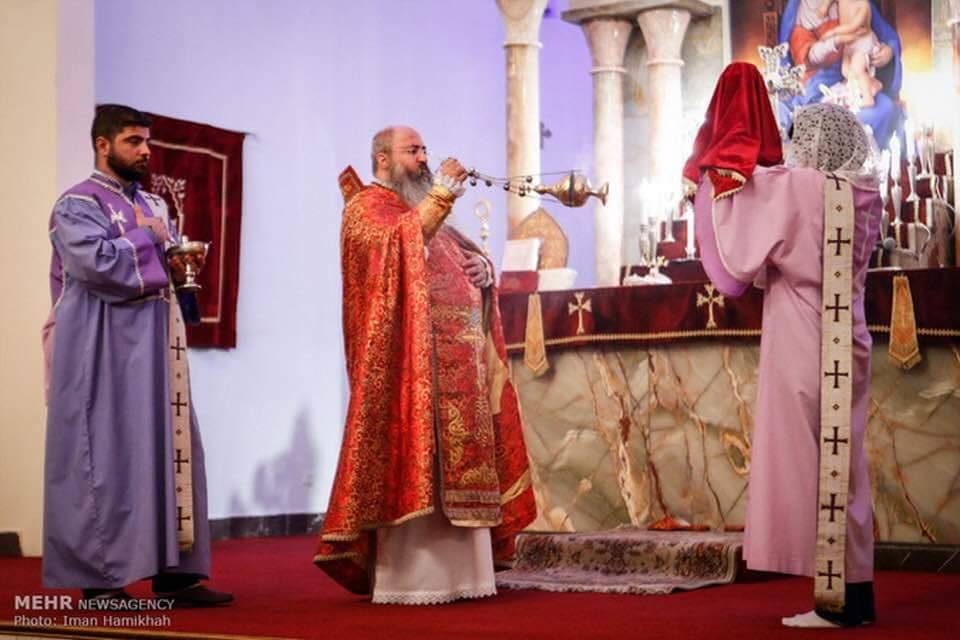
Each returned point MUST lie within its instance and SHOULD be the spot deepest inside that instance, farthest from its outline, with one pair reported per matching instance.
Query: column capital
(663, 31)
(583, 10)
(522, 19)
(607, 39)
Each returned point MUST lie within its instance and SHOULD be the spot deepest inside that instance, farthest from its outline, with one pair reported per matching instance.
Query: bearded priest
(433, 480)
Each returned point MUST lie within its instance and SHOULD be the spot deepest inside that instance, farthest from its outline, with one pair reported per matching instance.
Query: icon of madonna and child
(852, 56)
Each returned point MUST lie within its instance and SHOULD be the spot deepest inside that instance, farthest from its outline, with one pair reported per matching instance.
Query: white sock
(809, 620)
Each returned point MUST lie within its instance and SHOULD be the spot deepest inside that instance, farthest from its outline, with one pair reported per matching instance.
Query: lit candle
(909, 140)
(884, 172)
(931, 148)
(895, 159)
(691, 246)
(670, 208)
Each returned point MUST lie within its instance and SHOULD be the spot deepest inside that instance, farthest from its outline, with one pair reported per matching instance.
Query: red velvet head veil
(738, 133)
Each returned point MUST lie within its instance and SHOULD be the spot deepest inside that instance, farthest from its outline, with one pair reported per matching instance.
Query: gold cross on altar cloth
(710, 299)
(578, 308)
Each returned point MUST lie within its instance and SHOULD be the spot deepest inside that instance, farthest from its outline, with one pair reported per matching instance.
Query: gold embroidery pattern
(458, 495)
(434, 209)
(456, 432)
(378, 230)
(467, 432)
(484, 475)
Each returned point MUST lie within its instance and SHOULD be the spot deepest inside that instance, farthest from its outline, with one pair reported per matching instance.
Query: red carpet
(281, 594)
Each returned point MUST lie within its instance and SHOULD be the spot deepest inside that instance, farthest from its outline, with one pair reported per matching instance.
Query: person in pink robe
(770, 233)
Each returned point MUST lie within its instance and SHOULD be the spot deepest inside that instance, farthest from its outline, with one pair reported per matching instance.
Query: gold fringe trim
(726, 194)
(335, 556)
(729, 173)
(469, 495)
(904, 348)
(534, 350)
(663, 335)
(475, 524)
(937, 333)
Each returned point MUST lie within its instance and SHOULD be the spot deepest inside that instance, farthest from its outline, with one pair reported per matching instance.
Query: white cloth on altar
(429, 561)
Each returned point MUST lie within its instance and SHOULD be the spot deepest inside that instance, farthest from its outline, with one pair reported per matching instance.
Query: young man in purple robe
(125, 487)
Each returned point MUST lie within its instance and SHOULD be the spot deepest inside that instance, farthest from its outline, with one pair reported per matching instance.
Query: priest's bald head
(399, 160)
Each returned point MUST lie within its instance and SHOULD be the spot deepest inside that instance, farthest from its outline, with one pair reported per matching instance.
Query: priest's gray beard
(413, 187)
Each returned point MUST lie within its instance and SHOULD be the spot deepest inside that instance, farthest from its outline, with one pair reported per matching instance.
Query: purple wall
(311, 82)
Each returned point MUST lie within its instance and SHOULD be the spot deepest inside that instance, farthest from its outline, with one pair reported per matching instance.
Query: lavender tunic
(772, 232)
(109, 506)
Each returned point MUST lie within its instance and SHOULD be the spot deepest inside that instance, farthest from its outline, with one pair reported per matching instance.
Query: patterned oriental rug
(624, 560)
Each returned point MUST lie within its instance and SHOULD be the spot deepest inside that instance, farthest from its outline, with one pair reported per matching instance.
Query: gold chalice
(188, 249)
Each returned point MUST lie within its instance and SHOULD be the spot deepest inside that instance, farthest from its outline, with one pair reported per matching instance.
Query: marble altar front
(628, 433)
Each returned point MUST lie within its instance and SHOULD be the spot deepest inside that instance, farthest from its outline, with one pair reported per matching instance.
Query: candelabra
(896, 191)
(924, 240)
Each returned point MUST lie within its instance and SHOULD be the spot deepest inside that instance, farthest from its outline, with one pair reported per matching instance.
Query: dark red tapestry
(198, 170)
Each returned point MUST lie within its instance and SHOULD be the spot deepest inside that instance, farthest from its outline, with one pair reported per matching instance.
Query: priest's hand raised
(452, 168)
(447, 187)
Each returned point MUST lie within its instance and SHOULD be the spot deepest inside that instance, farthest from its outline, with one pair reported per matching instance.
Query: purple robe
(772, 232)
(109, 505)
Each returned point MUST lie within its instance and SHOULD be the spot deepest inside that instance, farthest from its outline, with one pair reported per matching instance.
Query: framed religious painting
(860, 53)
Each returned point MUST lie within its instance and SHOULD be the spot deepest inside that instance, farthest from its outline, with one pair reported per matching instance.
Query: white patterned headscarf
(830, 138)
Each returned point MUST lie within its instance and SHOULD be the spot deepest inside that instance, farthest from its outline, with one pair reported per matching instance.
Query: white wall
(46, 71)
(311, 82)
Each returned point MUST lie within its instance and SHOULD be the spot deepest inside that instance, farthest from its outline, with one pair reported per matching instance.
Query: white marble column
(663, 30)
(955, 30)
(954, 23)
(607, 39)
(522, 20)
(47, 126)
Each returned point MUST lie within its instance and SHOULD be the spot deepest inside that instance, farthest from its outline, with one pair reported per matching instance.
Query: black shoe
(860, 600)
(196, 595)
(105, 594)
(859, 608)
(165, 582)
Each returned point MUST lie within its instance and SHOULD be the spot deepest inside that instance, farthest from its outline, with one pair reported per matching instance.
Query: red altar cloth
(682, 311)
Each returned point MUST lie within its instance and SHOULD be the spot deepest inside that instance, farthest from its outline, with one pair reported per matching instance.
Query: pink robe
(772, 233)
